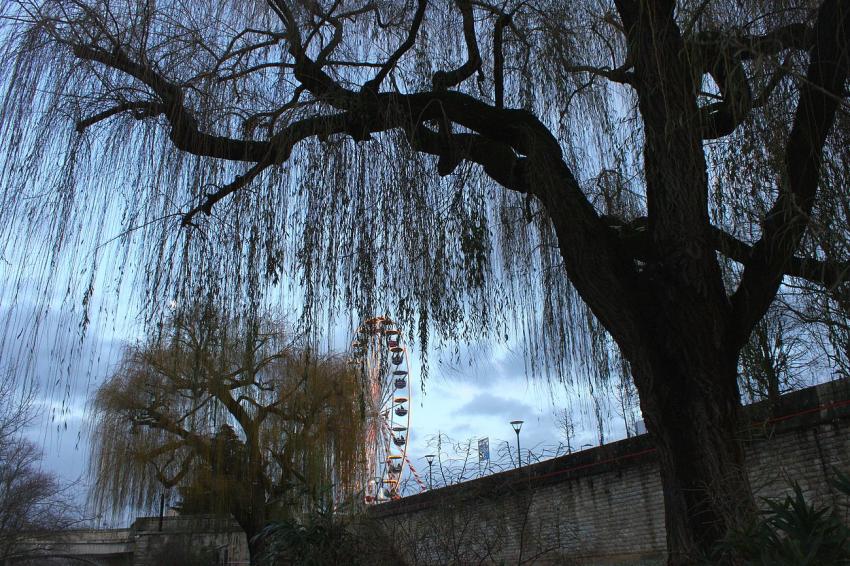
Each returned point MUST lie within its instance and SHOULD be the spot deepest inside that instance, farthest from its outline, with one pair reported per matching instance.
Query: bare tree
(774, 358)
(566, 426)
(32, 501)
(627, 401)
(232, 414)
(584, 164)
(831, 312)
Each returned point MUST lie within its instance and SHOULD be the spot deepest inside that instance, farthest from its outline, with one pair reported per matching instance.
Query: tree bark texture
(692, 412)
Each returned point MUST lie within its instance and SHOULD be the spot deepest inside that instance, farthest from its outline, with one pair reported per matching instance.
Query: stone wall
(210, 539)
(604, 506)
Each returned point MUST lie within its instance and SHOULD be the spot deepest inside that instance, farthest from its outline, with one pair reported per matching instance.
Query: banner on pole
(483, 449)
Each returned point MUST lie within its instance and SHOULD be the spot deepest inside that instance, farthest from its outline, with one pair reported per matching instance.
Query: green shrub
(323, 538)
(794, 532)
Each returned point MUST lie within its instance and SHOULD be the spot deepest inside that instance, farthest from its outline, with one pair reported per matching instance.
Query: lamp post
(430, 459)
(161, 509)
(517, 425)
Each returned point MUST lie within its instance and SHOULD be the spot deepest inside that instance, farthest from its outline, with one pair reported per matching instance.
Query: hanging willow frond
(358, 157)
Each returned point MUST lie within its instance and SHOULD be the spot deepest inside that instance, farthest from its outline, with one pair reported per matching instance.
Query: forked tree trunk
(256, 545)
(252, 520)
(693, 414)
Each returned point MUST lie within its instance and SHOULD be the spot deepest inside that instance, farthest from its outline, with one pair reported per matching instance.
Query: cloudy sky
(476, 401)
(474, 397)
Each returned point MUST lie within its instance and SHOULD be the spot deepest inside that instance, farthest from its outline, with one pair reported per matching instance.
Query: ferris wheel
(379, 351)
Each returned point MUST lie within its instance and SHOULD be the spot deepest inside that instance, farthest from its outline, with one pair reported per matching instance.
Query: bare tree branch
(446, 79)
(375, 82)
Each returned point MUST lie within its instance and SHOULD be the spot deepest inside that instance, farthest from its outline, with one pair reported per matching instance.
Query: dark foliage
(320, 540)
(795, 532)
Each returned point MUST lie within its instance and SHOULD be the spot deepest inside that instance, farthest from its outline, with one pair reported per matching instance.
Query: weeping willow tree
(577, 174)
(233, 415)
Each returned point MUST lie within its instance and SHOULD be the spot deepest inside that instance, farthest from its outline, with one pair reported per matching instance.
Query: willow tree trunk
(685, 360)
(256, 543)
(251, 514)
(256, 548)
(692, 411)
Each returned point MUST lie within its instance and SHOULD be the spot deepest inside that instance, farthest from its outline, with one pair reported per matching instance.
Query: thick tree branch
(826, 273)
(185, 133)
(786, 222)
(722, 118)
(620, 74)
(161, 421)
(744, 47)
(167, 482)
(141, 110)
(447, 79)
(723, 56)
(279, 148)
(374, 84)
(599, 276)
(162, 449)
(219, 389)
(635, 239)
(499, 160)
(530, 158)
(375, 117)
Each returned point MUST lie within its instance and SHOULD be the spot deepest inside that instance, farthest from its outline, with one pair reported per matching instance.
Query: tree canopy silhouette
(627, 178)
(232, 415)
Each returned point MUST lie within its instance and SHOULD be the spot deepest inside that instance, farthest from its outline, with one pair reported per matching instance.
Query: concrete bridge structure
(215, 540)
(104, 547)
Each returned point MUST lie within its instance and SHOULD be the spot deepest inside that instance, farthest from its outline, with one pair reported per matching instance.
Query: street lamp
(430, 459)
(517, 425)
(379, 481)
